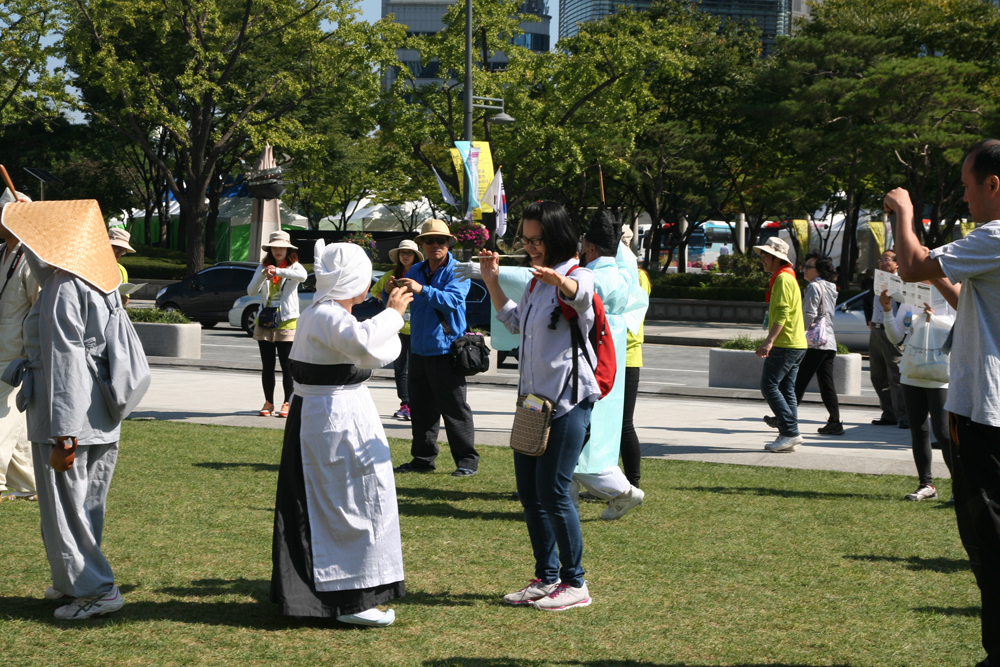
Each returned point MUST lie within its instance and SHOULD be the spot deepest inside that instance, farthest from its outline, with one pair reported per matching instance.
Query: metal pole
(467, 93)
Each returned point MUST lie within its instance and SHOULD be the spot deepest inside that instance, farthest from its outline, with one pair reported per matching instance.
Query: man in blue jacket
(437, 318)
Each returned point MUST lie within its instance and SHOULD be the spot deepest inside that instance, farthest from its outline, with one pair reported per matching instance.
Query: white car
(850, 325)
(244, 310)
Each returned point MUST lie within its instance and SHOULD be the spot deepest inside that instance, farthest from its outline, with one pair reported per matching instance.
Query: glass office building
(424, 17)
(773, 17)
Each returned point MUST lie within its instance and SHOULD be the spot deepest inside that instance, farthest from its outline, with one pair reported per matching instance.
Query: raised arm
(914, 260)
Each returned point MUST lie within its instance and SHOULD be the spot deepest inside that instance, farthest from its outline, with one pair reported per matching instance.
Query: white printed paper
(126, 289)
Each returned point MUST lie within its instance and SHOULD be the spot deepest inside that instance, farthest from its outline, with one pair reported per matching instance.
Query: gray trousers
(883, 362)
(71, 505)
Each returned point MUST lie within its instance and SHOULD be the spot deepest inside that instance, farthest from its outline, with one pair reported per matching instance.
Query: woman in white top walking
(924, 399)
(820, 299)
(276, 280)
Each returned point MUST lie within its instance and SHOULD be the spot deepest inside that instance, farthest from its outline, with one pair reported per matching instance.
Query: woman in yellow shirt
(404, 257)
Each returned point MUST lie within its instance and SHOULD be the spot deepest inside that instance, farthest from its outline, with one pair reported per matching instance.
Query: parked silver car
(850, 326)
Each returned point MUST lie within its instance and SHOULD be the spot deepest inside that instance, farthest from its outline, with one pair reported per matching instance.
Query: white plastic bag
(923, 358)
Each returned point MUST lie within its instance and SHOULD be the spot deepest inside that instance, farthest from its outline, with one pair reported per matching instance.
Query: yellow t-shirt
(273, 299)
(121, 270)
(785, 309)
(633, 351)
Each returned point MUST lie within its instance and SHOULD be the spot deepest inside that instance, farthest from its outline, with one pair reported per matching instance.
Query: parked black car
(207, 296)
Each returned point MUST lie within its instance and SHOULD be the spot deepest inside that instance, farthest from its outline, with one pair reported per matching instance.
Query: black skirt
(292, 584)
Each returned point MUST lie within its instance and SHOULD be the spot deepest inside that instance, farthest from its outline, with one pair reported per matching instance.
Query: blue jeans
(543, 487)
(777, 383)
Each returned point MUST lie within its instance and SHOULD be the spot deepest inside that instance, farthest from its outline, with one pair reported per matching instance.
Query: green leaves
(29, 90)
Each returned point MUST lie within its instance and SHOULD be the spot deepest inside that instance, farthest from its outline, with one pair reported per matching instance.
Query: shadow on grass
(220, 465)
(521, 662)
(444, 599)
(452, 512)
(781, 493)
(258, 589)
(918, 564)
(451, 495)
(949, 611)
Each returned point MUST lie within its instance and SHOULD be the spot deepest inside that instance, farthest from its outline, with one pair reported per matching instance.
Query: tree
(214, 75)
(29, 90)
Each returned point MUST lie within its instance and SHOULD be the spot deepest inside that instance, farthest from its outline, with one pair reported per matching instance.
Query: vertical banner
(496, 197)
(445, 193)
(878, 233)
(802, 232)
(469, 157)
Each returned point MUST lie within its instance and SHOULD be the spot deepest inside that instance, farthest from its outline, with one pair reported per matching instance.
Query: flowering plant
(470, 234)
(366, 241)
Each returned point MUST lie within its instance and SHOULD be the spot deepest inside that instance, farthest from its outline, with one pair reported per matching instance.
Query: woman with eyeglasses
(546, 368)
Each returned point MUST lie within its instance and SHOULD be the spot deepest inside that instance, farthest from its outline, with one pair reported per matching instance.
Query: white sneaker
(924, 492)
(81, 608)
(535, 590)
(784, 443)
(564, 597)
(574, 493)
(52, 594)
(620, 506)
(370, 617)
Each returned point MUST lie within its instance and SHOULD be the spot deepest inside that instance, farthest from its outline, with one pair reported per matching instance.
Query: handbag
(469, 353)
(924, 358)
(532, 423)
(816, 333)
(269, 318)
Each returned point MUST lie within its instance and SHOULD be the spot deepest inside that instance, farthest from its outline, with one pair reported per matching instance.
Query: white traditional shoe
(620, 506)
(81, 608)
(370, 617)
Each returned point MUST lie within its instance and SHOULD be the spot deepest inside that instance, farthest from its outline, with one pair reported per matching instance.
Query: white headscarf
(343, 271)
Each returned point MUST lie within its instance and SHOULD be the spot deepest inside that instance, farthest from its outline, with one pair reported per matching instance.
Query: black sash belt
(328, 374)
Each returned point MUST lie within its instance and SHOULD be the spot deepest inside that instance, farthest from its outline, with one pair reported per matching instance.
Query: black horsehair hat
(605, 229)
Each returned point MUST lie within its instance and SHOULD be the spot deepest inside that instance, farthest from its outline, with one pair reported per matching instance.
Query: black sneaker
(832, 428)
(464, 472)
(413, 467)
(771, 421)
(884, 422)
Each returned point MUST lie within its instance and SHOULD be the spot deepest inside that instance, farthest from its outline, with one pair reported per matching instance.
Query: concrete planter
(170, 340)
(741, 369)
(696, 310)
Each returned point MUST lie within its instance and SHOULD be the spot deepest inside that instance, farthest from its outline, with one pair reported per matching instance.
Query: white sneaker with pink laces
(535, 590)
(564, 597)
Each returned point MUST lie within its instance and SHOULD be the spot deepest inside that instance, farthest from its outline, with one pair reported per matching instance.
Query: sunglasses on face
(436, 240)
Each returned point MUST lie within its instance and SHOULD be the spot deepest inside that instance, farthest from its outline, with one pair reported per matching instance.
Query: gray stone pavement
(675, 426)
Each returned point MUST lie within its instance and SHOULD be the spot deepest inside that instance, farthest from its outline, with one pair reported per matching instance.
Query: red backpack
(600, 339)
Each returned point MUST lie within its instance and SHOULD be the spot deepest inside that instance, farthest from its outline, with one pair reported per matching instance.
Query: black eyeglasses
(810, 266)
(534, 243)
(436, 240)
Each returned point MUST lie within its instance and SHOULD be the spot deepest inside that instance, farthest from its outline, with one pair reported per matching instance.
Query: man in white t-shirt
(974, 394)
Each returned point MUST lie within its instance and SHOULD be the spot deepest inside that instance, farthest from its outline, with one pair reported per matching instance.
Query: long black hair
(558, 231)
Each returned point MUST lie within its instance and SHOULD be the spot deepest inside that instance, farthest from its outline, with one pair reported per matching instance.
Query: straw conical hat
(68, 235)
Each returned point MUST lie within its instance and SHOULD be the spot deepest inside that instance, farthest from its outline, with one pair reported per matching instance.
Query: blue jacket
(444, 294)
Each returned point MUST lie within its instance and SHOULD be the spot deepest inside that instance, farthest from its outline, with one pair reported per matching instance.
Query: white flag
(444, 189)
(497, 198)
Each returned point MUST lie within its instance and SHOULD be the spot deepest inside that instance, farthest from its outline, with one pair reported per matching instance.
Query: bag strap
(13, 267)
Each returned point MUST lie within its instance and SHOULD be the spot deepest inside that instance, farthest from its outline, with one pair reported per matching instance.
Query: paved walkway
(669, 427)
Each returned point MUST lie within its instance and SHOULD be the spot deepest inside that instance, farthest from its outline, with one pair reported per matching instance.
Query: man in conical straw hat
(18, 292)
(66, 246)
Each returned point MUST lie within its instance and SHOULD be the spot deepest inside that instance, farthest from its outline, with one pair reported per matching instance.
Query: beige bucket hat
(119, 237)
(405, 244)
(279, 240)
(67, 235)
(776, 247)
(434, 227)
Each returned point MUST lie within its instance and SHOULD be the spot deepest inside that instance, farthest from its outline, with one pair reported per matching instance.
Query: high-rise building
(574, 12)
(424, 17)
(773, 17)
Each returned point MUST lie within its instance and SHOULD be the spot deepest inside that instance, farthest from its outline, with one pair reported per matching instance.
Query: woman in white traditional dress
(337, 550)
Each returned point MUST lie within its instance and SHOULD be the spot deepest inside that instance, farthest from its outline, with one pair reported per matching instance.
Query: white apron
(350, 489)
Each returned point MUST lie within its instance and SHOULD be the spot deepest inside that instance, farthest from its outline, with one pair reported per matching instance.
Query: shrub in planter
(747, 342)
(156, 316)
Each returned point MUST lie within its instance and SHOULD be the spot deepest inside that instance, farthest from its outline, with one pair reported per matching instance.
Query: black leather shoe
(884, 422)
(464, 472)
(904, 424)
(413, 467)
(832, 428)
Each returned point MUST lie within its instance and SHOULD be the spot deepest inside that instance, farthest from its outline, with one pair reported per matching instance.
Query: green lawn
(725, 565)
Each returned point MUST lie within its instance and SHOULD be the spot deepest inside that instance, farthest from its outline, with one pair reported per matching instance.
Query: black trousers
(925, 405)
(631, 454)
(267, 352)
(975, 450)
(883, 365)
(436, 391)
(820, 364)
(400, 369)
